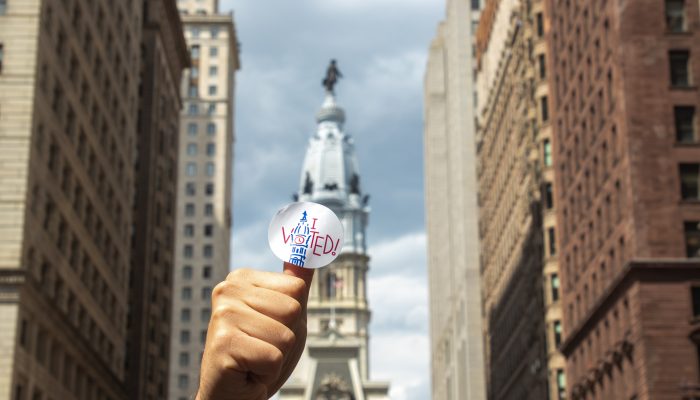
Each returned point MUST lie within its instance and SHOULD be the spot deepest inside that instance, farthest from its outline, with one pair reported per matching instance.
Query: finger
(289, 285)
(268, 330)
(278, 306)
(305, 274)
(259, 358)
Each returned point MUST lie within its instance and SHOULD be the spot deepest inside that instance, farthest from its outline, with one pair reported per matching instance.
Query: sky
(381, 47)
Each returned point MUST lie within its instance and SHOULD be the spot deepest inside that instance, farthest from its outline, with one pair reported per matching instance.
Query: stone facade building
(70, 73)
(519, 270)
(335, 362)
(164, 56)
(625, 137)
(451, 208)
(203, 228)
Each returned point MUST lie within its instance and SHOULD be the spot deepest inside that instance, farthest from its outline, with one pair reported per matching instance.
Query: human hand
(256, 334)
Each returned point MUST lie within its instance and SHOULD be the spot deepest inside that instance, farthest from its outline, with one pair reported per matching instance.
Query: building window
(193, 91)
(209, 189)
(193, 109)
(475, 5)
(675, 15)
(192, 149)
(189, 230)
(208, 251)
(211, 128)
(213, 51)
(557, 334)
(554, 287)
(187, 272)
(211, 149)
(183, 381)
(184, 359)
(214, 32)
(194, 72)
(695, 293)
(208, 230)
(542, 62)
(210, 169)
(194, 52)
(185, 314)
(2, 53)
(547, 147)
(205, 315)
(209, 209)
(186, 293)
(213, 70)
(3, 7)
(206, 293)
(540, 24)
(195, 32)
(190, 189)
(680, 73)
(192, 129)
(188, 251)
(189, 209)
(548, 196)
(212, 109)
(690, 181)
(213, 90)
(685, 124)
(692, 239)
(206, 272)
(561, 384)
(544, 105)
(203, 336)
(191, 169)
(551, 238)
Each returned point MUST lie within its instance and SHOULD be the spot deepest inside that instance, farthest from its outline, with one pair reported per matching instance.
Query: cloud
(402, 359)
(403, 255)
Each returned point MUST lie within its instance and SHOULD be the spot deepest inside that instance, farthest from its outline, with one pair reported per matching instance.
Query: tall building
(203, 228)
(164, 56)
(520, 273)
(451, 208)
(70, 73)
(335, 362)
(625, 141)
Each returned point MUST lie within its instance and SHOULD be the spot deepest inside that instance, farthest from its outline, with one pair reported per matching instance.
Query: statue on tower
(332, 76)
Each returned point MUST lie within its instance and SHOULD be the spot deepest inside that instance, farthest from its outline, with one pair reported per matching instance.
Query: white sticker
(306, 234)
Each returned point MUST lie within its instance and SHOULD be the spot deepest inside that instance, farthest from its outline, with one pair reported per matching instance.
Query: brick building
(625, 142)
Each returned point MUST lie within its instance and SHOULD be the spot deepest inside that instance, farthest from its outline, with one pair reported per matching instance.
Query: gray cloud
(381, 46)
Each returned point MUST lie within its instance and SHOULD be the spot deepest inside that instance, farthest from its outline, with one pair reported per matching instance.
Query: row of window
(207, 251)
(186, 293)
(195, 51)
(213, 71)
(189, 230)
(193, 148)
(191, 169)
(186, 314)
(196, 31)
(193, 109)
(191, 189)
(193, 128)
(187, 272)
(193, 90)
(186, 337)
(190, 210)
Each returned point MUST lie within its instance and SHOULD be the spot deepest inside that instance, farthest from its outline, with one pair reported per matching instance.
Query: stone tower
(335, 363)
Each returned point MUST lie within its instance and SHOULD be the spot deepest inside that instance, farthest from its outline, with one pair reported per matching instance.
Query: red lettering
(285, 237)
(316, 244)
(313, 226)
(328, 245)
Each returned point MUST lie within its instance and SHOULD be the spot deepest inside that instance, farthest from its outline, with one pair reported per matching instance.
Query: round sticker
(306, 234)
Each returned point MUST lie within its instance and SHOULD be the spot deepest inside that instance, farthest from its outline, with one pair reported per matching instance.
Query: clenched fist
(256, 334)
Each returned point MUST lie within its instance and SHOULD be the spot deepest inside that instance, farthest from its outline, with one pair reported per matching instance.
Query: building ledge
(653, 270)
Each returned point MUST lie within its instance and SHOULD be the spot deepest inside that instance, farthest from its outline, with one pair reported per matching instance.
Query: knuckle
(275, 358)
(293, 309)
(287, 339)
(297, 286)
(222, 313)
(238, 275)
(219, 289)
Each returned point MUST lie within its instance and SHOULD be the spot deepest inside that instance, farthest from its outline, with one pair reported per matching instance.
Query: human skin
(256, 334)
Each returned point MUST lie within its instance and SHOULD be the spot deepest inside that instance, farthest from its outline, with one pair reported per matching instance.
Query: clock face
(299, 239)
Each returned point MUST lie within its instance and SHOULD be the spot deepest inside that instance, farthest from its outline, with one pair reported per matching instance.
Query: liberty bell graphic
(301, 237)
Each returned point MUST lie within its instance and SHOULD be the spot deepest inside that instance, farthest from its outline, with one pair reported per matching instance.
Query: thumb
(305, 274)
